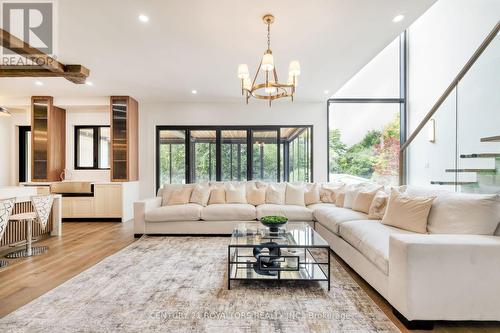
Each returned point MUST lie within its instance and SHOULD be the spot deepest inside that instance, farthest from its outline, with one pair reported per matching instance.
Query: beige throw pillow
(217, 195)
(200, 195)
(363, 199)
(256, 196)
(339, 199)
(236, 194)
(408, 212)
(275, 193)
(328, 192)
(180, 196)
(294, 195)
(378, 207)
(311, 194)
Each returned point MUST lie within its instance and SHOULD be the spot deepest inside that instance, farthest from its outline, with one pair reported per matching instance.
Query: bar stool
(6, 207)
(42, 204)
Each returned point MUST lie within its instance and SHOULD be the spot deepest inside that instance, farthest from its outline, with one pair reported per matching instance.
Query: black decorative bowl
(273, 222)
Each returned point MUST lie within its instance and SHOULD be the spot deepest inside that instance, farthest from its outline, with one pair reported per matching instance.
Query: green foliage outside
(375, 157)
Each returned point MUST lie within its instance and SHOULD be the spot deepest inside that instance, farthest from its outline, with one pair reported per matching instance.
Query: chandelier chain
(268, 36)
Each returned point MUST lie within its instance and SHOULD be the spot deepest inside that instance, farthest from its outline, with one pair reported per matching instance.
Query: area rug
(174, 284)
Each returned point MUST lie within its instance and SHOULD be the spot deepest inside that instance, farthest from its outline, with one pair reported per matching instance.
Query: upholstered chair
(6, 207)
(42, 206)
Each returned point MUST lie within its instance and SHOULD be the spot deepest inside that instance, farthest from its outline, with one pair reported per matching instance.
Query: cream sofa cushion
(461, 213)
(236, 194)
(228, 212)
(364, 198)
(187, 212)
(217, 195)
(294, 194)
(339, 199)
(200, 195)
(332, 217)
(371, 238)
(378, 206)
(180, 196)
(275, 193)
(408, 212)
(311, 194)
(292, 212)
(256, 196)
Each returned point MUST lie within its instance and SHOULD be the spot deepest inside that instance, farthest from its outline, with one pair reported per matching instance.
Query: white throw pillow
(311, 194)
(461, 213)
(275, 193)
(295, 194)
(200, 195)
(236, 194)
(351, 191)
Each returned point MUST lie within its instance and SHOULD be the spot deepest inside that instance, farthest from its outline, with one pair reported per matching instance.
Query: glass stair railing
(457, 145)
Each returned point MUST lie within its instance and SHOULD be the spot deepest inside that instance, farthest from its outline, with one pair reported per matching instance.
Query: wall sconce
(432, 130)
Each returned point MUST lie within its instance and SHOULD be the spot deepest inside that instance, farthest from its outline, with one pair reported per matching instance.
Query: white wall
(440, 43)
(5, 153)
(256, 113)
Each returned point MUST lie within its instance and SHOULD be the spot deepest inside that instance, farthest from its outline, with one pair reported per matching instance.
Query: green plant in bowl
(273, 222)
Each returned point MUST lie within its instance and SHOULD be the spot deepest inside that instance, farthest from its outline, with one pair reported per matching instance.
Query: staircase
(486, 178)
(454, 150)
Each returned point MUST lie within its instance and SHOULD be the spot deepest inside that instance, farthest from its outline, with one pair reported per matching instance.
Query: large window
(92, 145)
(197, 154)
(366, 120)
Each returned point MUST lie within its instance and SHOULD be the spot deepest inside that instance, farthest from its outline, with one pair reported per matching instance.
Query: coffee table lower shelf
(241, 268)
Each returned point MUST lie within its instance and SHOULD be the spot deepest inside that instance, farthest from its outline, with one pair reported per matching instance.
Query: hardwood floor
(82, 245)
(85, 244)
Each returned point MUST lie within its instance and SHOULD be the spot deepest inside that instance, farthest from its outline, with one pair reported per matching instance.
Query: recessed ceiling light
(89, 83)
(194, 92)
(143, 18)
(398, 18)
(39, 83)
(326, 92)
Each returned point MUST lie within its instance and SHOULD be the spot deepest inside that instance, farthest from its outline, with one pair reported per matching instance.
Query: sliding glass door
(196, 154)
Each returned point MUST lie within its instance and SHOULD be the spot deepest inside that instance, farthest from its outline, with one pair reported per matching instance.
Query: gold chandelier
(271, 88)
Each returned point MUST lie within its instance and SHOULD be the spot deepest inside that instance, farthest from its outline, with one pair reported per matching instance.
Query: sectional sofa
(450, 272)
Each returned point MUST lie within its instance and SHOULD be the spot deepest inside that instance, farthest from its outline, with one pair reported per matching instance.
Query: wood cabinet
(124, 139)
(105, 203)
(48, 126)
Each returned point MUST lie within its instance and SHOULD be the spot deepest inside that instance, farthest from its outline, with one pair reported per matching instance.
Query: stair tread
(495, 138)
(436, 182)
(480, 155)
(470, 170)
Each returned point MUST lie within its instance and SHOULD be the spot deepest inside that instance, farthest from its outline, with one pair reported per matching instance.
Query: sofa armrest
(445, 277)
(140, 209)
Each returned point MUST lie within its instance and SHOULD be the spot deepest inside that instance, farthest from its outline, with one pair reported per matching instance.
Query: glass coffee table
(296, 253)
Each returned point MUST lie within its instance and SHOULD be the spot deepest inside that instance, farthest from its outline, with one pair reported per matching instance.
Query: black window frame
(96, 146)
(249, 142)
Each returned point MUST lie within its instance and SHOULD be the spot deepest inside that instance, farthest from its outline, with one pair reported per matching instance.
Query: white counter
(21, 193)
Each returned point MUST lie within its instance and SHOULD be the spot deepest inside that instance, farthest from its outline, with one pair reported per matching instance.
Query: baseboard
(138, 235)
(414, 324)
(91, 219)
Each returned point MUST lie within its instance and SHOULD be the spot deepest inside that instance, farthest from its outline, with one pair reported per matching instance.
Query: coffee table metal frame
(234, 259)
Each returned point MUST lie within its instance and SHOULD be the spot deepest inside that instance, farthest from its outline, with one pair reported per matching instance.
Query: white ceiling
(198, 44)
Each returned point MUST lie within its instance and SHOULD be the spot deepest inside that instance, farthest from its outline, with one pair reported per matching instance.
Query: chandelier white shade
(270, 89)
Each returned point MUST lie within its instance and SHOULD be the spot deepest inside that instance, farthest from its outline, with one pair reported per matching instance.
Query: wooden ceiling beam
(47, 66)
